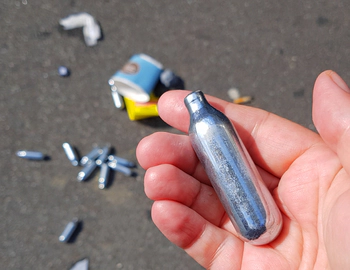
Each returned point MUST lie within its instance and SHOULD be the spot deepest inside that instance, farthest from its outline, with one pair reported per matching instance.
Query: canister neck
(195, 101)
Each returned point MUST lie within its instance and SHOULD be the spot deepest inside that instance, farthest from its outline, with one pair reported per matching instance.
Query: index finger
(272, 141)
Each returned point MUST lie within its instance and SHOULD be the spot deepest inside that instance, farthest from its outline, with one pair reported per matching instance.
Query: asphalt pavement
(270, 50)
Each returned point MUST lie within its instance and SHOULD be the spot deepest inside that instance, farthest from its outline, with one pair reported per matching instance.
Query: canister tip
(194, 100)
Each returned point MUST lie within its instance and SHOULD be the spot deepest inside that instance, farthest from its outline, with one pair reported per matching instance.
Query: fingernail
(339, 81)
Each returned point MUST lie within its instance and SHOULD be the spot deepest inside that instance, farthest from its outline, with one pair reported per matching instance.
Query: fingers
(166, 148)
(273, 142)
(337, 233)
(331, 114)
(209, 245)
(167, 182)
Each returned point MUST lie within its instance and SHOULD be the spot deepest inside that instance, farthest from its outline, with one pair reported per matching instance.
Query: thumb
(331, 114)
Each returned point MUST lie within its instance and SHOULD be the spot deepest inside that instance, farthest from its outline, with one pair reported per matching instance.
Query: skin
(307, 174)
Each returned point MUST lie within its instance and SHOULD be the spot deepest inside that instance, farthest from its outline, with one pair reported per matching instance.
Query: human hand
(307, 174)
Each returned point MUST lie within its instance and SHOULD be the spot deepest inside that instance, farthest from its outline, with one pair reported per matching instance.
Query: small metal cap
(104, 155)
(122, 161)
(117, 98)
(117, 167)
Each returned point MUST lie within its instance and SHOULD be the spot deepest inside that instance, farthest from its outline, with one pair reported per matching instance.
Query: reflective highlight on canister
(117, 98)
(103, 156)
(119, 168)
(233, 174)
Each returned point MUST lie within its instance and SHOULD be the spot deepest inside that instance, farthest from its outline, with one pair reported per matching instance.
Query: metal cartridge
(91, 156)
(71, 154)
(104, 176)
(69, 230)
(232, 172)
(33, 155)
(86, 171)
(104, 155)
(122, 161)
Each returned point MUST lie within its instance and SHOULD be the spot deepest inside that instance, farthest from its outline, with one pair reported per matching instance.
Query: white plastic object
(91, 28)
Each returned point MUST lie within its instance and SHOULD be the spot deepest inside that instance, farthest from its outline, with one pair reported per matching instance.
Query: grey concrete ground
(272, 50)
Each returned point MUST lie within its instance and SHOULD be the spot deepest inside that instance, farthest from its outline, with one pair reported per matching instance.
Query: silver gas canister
(232, 173)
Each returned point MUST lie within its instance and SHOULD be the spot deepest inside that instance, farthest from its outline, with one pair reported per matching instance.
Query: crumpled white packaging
(91, 28)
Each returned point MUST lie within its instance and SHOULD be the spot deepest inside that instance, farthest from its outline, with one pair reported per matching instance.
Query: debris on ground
(69, 231)
(31, 155)
(235, 95)
(117, 98)
(168, 80)
(81, 265)
(63, 71)
(138, 85)
(99, 158)
(91, 28)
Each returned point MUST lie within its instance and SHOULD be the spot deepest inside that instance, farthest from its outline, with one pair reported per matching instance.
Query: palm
(303, 173)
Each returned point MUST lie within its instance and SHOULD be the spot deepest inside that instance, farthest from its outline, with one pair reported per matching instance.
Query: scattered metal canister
(99, 157)
(122, 161)
(117, 98)
(137, 78)
(168, 80)
(104, 176)
(81, 265)
(87, 171)
(69, 230)
(92, 156)
(71, 153)
(104, 155)
(117, 167)
(32, 155)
